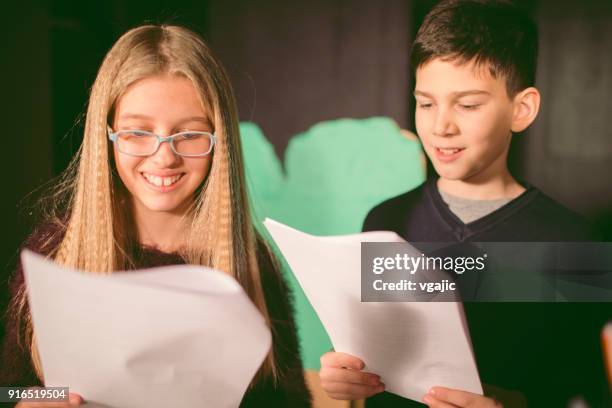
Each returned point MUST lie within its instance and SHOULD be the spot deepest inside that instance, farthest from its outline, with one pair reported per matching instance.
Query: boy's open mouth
(448, 154)
(449, 151)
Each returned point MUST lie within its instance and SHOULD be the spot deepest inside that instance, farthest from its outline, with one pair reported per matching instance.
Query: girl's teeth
(161, 181)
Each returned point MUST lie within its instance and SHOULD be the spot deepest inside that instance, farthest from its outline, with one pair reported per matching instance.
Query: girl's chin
(152, 205)
(163, 209)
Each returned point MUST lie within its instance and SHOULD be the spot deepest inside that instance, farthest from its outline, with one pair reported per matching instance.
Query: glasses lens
(193, 143)
(136, 142)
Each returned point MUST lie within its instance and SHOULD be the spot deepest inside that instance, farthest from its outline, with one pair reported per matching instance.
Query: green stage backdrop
(334, 173)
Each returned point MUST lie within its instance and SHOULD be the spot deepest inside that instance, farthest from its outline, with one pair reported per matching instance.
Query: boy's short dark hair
(492, 32)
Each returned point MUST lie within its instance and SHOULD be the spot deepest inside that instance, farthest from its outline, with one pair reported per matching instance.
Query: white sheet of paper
(176, 336)
(411, 345)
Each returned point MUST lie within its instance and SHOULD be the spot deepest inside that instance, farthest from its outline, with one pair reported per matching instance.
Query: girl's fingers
(339, 360)
(341, 396)
(355, 391)
(345, 397)
(331, 374)
(74, 400)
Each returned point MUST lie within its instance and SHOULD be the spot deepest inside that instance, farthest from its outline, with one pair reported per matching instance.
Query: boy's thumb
(74, 399)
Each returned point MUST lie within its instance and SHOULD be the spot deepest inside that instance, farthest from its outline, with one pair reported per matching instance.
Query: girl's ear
(526, 107)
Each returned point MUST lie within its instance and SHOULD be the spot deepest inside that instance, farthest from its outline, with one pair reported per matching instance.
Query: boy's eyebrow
(421, 93)
(455, 94)
(471, 92)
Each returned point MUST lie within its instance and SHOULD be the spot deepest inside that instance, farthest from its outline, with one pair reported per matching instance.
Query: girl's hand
(74, 400)
(342, 377)
(441, 397)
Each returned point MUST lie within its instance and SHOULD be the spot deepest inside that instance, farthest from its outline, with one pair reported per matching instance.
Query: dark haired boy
(475, 64)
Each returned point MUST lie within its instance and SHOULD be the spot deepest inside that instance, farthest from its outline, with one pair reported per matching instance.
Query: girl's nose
(164, 156)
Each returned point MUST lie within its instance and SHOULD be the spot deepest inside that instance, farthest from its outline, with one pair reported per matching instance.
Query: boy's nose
(164, 156)
(443, 124)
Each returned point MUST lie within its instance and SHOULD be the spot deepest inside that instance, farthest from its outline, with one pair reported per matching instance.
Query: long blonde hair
(96, 225)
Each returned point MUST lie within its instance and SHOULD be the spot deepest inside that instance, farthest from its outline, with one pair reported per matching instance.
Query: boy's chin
(451, 174)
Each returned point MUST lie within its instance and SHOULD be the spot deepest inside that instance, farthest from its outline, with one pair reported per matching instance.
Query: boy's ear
(526, 107)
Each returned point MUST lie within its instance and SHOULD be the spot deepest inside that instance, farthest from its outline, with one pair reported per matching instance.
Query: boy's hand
(342, 377)
(441, 397)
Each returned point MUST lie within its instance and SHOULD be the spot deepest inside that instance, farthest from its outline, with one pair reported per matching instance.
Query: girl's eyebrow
(195, 119)
(201, 119)
(126, 116)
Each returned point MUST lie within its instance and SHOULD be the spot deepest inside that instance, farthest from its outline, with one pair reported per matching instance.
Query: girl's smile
(162, 182)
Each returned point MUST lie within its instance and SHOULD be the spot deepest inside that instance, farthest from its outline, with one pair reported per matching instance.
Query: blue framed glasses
(144, 143)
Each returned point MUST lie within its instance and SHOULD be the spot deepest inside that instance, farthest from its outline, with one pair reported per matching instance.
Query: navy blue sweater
(549, 352)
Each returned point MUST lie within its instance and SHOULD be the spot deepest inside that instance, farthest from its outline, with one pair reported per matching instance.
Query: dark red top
(291, 390)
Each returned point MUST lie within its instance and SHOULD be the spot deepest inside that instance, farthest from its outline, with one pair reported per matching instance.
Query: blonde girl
(159, 180)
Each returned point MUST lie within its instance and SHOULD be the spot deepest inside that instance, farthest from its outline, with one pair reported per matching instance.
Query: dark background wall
(294, 63)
